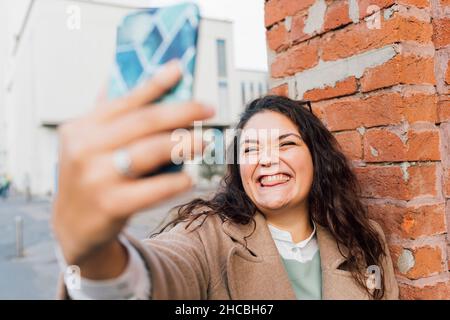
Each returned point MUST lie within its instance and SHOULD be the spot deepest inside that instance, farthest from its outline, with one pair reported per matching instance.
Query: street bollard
(19, 236)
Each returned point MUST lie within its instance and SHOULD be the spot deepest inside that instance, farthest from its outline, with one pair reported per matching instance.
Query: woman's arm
(95, 199)
(178, 266)
(173, 265)
(134, 283)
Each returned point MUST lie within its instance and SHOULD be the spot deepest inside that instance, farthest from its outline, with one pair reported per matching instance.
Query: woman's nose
(269, 157)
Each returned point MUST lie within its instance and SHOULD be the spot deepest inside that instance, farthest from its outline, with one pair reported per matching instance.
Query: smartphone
(149, 38)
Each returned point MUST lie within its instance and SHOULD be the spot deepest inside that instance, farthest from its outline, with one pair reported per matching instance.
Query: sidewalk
(34, 276)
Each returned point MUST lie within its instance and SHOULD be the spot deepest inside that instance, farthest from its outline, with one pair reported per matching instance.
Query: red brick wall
(379, 78)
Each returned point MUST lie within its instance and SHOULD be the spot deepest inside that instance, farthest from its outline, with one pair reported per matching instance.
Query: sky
(249, 31)
(248, 27)
(247, 15)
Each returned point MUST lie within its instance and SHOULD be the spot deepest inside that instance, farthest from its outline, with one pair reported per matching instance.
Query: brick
(364, 5)
(417, 3)
(277, 37)
(351, 113)
(423, 145)
(318, 111)
(282, 90)
(422, 180)
(337, 15)
(298, 58)
(416, 70)
(447, 74)
(410, 222)
(358, 38)
(402, 69)
(273, 12)
(292, 7)
(444, 110)
(420, 107)
(281, 66)
(383, 108)
(277, 10)
(438, 291)
(383, 145)
(447, 183)
(344, 87)
(391, 182)
(447, 211)
(428, 261)
(441, 34)
(350, 143)
(296, 34)
(445, 145)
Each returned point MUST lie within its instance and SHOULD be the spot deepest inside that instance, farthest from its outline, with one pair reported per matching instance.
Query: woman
(286, 223)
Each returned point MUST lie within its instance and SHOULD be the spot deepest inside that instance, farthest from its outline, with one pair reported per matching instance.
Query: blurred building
(57, 56)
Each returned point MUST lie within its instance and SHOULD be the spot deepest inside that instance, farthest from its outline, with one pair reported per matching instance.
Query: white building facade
(252, 84)
(61, 61)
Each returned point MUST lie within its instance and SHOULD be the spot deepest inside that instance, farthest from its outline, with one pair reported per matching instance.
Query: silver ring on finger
(122, 162)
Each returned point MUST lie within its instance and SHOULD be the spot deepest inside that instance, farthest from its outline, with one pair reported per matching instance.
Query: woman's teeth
(274, 179)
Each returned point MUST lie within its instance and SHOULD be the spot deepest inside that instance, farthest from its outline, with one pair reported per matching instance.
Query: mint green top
(305, 277)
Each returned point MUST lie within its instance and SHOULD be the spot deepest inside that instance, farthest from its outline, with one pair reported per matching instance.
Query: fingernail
(209, 110)
(168, 73)
(174, 65)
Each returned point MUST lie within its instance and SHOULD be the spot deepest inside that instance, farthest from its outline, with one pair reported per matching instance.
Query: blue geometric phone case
(149, 38)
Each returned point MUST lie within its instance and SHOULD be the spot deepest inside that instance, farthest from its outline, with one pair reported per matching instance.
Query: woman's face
(275, 164)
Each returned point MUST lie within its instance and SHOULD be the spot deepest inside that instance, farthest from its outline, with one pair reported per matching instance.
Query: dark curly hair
(334, 198)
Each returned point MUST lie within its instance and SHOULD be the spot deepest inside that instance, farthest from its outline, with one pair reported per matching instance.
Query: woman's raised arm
(95, 199)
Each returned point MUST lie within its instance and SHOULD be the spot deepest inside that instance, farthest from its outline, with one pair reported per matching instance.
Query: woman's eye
(288, 143)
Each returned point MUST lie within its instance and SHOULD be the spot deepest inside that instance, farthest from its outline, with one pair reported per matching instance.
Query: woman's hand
(94, 200)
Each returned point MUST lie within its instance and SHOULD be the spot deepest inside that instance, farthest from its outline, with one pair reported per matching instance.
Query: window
(221, 59)
(222, 81)
(260, 89)
(252, 91)
(223, 101)
(243, 93)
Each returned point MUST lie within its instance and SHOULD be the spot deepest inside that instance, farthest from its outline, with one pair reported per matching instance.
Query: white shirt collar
(283, 235)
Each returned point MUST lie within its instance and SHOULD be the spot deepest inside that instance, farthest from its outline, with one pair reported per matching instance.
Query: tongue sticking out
(270, 181)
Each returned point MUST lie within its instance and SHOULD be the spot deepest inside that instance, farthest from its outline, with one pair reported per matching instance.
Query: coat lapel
(256, 272)
(337, 284)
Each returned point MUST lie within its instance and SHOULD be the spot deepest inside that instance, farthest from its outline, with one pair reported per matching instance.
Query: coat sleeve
(391, 285)
(176, 262)
(177, 265)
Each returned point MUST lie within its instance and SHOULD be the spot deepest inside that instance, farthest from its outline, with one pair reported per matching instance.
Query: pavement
(35, 274)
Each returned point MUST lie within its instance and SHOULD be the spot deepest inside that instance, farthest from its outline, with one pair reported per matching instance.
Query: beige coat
(213, 263)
